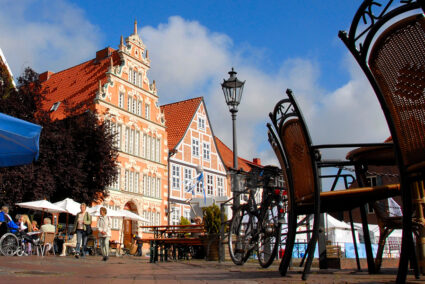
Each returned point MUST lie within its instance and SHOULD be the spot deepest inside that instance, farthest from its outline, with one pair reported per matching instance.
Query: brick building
(116, 87)
(192, 149)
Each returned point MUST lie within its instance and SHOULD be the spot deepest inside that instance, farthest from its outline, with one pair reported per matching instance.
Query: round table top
(376, 155)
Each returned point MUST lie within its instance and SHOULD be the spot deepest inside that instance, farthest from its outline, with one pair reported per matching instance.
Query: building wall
(197, 149)
(130, 104)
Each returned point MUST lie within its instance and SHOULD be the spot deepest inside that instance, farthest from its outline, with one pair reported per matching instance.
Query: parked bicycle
(257, 225)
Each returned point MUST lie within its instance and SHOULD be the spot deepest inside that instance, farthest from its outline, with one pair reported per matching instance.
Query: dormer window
(55, 106)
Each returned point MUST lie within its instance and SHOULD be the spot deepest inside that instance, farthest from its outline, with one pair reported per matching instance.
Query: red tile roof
(227, 156)
(77, 85)
(178, 117)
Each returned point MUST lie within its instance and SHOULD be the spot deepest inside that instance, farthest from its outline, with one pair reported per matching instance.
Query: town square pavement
(130, 269)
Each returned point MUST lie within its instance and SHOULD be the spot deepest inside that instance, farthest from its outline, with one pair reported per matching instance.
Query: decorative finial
(122, 40)
(135, 27)
(147, 53)
(100, 86)
(111, 65)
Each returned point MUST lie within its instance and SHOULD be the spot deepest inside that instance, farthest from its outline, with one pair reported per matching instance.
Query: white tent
(338, 231)
(131, 216)
(69, 205)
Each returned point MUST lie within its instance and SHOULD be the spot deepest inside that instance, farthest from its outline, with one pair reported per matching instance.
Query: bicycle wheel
(269, 236)
(9, 244)
(240, 235)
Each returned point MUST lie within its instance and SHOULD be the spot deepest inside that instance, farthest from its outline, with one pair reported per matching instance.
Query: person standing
(82, 220)
(104, 225)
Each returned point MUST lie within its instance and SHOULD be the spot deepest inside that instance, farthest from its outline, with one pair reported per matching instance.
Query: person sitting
(6, 222)
(47, 227)
(72, 243)
(34, 226)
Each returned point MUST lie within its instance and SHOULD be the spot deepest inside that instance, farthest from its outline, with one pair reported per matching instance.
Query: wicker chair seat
(340, 200)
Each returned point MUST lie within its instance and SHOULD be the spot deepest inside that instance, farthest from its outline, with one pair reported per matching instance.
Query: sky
(273, 45)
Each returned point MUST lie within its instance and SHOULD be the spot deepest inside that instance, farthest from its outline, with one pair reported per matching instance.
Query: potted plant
(212, 225)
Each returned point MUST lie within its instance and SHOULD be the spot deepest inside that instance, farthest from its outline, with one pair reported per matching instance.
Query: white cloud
(189, 61)
(45, 35)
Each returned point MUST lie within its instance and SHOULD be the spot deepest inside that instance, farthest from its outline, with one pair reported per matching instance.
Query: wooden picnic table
(175, 237)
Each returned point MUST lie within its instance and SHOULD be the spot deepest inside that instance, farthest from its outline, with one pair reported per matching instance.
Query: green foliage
(184, 221)
(212, 219)
(77, 156)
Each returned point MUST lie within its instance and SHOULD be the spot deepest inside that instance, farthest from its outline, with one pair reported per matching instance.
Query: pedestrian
(82, 221)
(104, 225)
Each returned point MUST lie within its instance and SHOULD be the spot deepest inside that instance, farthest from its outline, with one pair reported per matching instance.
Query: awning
(19, 141)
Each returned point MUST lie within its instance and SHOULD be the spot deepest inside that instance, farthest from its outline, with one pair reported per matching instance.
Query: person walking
(104, 225)
(82, 221)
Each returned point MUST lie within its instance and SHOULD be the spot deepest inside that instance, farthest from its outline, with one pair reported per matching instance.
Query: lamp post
(232, 89)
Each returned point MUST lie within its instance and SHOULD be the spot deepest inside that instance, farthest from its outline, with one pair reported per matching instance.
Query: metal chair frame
(378, 22)
(285, 114)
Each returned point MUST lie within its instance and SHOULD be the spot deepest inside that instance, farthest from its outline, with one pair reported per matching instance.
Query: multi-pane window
(153, 146)
(158, 188)
(127, 140)
(148, 148)
(206, 151)
(130, 74)
(210, 185)
(131, 142)
(186, 214)
(126, 180)
(134, 77)
(121, 100)
(175, 177)
(195, 147)
(130, 181)
(220, 186)
(140, 79)
(116, 224)
(158, 218)
(175, 216)
(134, 107)
(147, 111)
(199, 186)
(201, 123)
(137, 144)
(148, 185)
(139, 107)
(116, 184)
(129, 102)
(158, 150)
(187, 178)
(136, 183)
(144, 144)
(118, 136)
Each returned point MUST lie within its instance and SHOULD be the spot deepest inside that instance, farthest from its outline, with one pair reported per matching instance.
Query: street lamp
(232, 89)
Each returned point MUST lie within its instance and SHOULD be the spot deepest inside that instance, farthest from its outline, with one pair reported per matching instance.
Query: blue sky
(273, 45)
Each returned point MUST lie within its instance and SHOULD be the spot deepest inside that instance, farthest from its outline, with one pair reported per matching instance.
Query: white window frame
(158, 188)
(210, 185)
(220, 186)
(136, 182)
(137, 144)
(126, 177)
(195, 147)
(131, 143)
(121, 100)
(139, 107)
(147, 111)
(175, 176)
(187, 177)
(175, 216)
(206, 151)
(201, 123)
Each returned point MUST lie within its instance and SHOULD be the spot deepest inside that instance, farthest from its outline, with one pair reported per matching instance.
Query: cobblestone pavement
(129, 269)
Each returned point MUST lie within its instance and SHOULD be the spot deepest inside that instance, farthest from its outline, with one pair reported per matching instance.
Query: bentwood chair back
(389, 46)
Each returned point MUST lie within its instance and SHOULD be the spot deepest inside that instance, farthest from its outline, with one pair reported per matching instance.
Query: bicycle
(258, 225)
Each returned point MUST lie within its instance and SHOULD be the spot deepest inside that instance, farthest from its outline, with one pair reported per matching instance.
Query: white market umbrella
(95, 211)
(69, 205)
(131, 216)
(41, 205)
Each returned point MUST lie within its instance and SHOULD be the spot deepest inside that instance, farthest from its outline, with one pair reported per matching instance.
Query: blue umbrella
(19, 141)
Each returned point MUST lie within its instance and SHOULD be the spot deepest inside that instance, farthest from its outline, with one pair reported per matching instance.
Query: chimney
(45, 76)
(257, 161)
(103, 53)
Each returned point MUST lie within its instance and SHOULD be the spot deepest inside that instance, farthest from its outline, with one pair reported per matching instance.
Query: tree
(77, 157)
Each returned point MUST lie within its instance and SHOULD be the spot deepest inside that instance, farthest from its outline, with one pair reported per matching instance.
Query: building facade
(193, 156)
(116, 87)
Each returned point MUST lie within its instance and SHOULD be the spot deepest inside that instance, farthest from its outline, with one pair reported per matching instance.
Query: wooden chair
(389, 46)
(47, 240)
(300, 161)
